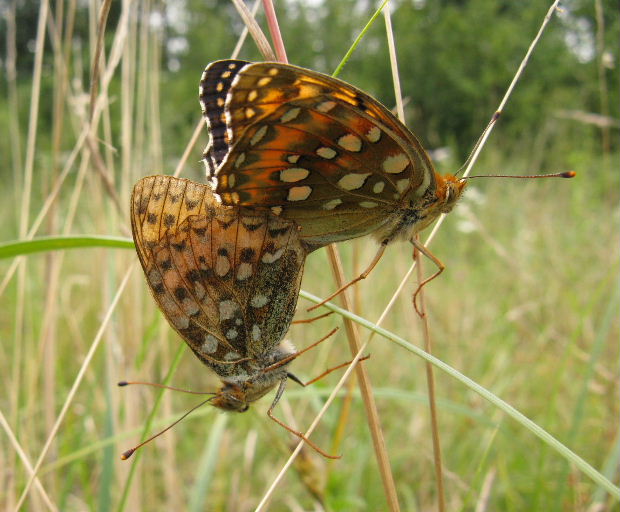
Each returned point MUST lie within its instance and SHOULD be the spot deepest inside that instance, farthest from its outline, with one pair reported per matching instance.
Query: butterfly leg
(312, 319)
(326, 372)
(424, 250)
(288, 359)
(363, 275)
(279, 393)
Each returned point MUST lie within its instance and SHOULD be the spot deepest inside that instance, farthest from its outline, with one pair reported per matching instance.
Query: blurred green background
(528, 305)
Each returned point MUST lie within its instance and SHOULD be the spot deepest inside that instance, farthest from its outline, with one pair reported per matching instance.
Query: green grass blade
(57, 243)
(358, 39)
(206, 468)
(148, 425)
(520, 418)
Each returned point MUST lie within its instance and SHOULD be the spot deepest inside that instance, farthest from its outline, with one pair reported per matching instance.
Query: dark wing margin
(214, 86)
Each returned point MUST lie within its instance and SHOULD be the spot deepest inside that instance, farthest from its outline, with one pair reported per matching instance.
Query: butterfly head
(231, 397)
(449, 190)
(238, 393)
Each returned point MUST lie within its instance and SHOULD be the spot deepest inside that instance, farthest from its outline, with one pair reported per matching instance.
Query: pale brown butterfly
(226, 279)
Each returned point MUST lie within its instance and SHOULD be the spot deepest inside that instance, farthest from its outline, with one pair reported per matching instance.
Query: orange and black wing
(318, 151)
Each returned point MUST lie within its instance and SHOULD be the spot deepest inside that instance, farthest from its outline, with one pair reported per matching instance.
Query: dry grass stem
(255, 31)
(75, 386)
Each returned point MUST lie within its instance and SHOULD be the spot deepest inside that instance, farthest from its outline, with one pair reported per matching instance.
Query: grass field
(527, 308)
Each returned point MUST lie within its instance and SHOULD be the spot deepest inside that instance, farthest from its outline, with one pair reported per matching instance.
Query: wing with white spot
(227, 280)
(214, 85)
(319, 152)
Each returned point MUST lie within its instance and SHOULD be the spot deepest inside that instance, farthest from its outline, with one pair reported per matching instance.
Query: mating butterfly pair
(299, 160)
(227, 281)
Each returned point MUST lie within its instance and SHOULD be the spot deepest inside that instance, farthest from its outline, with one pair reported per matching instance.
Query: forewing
(319, 151)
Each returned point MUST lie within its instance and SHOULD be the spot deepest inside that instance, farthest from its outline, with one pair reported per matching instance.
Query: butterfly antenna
(482, 137)
(565, 174)
(124, 383)
(128, 453)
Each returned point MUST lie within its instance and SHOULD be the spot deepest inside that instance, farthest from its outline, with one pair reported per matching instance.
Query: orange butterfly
(320, 152)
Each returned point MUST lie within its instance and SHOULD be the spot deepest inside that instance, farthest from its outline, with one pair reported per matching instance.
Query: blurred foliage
(456, 60)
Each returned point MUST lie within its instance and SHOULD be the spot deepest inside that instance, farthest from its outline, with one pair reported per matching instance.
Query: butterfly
(318, 151)
(227, 281)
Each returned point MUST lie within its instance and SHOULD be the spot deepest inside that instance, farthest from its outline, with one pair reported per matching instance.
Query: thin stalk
(602, 79)
(74, 387)
(372, 413)
(25, 461)
(426, 334)
(430, 382)
(482, 142)
(472, 160)
(274, 30)
(363, 378)
(148, 426)
(508, 409)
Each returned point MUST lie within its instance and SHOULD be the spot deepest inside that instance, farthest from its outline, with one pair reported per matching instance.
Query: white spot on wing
(255, 333)
(350, 142)
(227, 309)
(264, 81)
(378, 187)
(326, 106)
(294, 174)
(179, 321)
(222, 266)
(269, 257)
(421, 190)
(209, 345)
(290, 115)
(189, 306)
(259, 300)
(199, 291)
(299, 193)
(239, 160)
(232, 356)
(330, 205)
(374, 134)
(368, 204)
(402, 185)
(353, 181)
(260, 133)
(325, 152)
(244, 270)
(396, 163)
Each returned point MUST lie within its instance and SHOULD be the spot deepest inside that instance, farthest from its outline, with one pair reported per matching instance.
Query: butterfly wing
(318, 151)
(214, 86)
(226, 280)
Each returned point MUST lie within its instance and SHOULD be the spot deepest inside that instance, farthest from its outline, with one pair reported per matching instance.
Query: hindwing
(226, 279)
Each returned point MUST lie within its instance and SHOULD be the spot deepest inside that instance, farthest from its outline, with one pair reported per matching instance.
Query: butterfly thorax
(253, 380)
(405, 222)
